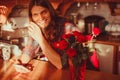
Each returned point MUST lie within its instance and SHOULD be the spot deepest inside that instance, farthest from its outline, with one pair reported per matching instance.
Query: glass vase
(77, 73)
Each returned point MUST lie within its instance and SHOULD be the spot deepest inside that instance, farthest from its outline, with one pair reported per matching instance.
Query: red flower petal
(56, 44)
(88, 37)
(66, 36)
(76, 33)
(96, 31)
(81, 39)
(63, 45)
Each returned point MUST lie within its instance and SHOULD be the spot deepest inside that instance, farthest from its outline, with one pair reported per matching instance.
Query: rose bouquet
(75, 45)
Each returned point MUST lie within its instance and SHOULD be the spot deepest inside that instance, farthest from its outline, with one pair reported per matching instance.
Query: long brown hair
(52, 27)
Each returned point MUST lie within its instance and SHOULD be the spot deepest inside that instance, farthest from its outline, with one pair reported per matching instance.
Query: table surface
(46, 71)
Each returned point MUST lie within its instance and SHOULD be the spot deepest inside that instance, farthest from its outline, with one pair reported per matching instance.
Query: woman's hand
(35, 32)
(23, 67)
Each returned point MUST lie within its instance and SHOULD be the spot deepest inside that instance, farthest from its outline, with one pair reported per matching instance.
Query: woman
(45, 28)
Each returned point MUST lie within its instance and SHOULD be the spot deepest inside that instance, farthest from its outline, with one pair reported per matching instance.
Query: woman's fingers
(33, 27)
(35, 32)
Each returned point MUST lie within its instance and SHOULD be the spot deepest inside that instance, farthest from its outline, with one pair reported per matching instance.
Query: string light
(78, 4)
(87, 5)
(95, 5)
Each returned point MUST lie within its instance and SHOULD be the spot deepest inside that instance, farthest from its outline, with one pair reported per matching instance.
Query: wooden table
(45, 71)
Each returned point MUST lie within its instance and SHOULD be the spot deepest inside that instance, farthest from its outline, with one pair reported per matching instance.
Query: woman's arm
(29, 51)
(36, 33)
(50, 53)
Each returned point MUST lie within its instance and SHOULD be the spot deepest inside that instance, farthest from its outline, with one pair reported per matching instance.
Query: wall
(103, 10)
(11, 3)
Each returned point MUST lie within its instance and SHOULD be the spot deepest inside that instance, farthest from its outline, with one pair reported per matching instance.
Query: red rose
(96, 31)
(81, 39)
(63, 44)
(56, 44)
(88, 37)
(71, 52)
(76, 33)
(66, 36)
